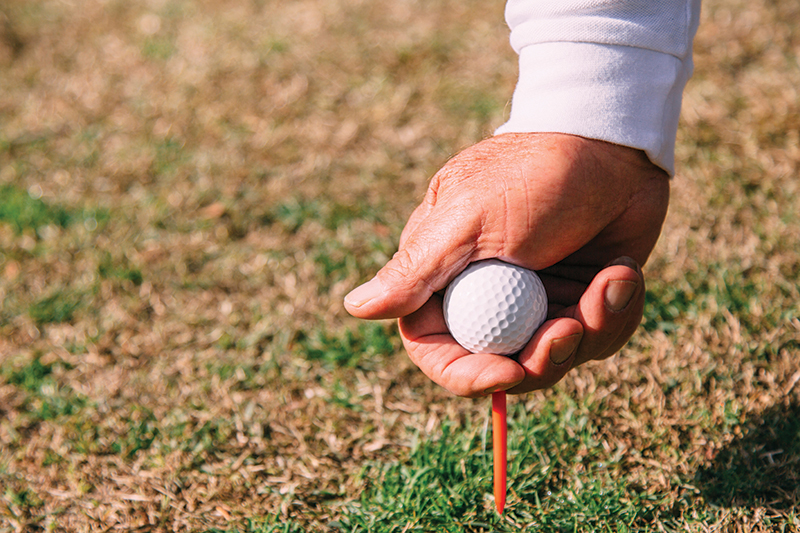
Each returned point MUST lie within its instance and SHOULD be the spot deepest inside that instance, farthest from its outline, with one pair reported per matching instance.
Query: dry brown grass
(234, 168)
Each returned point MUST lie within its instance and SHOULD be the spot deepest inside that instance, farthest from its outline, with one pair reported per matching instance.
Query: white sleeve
(613, 70)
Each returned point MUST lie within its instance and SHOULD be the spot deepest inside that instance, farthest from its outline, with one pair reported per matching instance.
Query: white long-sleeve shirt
(613, 70)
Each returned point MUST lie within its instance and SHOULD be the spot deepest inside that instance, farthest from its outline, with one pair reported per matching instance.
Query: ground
(188, 189)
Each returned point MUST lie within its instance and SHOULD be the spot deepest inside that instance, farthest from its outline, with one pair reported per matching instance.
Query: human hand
(582, 213)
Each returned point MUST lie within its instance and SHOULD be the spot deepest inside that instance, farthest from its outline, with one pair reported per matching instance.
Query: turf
(188, 189)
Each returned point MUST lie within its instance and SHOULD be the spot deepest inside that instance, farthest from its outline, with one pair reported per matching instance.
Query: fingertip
(362, 295)
(380, 298)
(610, 310)
(502, 387)
(626, 261)
(563, 349)
(618, 294)
(502, 378)
(505, 375)
(619, 272)
(478, 375)
(550, 354)
(612, 293)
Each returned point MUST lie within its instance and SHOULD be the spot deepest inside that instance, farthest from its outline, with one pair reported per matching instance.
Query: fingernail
(619, 294)
(562, 349)
(364, 293)
(498, 388)
(625, 261)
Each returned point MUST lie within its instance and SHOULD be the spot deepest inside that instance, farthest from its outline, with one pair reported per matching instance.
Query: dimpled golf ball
(494, 307)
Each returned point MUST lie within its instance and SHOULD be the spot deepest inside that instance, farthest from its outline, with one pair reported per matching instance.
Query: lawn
(188, 189)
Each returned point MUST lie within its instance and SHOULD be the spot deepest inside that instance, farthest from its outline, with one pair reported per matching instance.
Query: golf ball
(494, 307)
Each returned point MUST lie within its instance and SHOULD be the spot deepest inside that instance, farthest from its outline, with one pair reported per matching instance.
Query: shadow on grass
(762, 468)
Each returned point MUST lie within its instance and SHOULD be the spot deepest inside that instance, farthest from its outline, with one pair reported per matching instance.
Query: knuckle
(399, 272)
(405, 273)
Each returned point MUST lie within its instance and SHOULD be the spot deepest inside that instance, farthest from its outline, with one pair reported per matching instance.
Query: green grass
(23, 211)
(60, 306)
(32, 376)
(272, 524)
(109, 268)
(142, 430)
(559, 480)
(364, 348)
(44, 398)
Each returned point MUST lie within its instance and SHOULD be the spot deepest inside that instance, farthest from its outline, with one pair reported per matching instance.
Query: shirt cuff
(620, 94)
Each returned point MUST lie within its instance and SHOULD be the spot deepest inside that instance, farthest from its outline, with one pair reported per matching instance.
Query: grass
(444, 484)
(364, 348)
(189, 189)
(23, 210)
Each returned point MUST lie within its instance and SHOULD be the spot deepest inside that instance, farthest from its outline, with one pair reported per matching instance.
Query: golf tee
(499, 448)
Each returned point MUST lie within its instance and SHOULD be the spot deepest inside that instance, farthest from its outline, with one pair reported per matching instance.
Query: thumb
(437, 249)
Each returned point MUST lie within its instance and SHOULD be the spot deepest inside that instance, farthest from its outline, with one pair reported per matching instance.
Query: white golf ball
(494, 307)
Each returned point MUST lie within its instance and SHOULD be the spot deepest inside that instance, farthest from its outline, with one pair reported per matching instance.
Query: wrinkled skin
(583, 213)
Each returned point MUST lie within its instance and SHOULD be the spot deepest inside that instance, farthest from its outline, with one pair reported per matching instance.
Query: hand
(581, 212)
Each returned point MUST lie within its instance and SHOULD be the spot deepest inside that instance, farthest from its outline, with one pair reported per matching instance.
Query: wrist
(623, 95)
